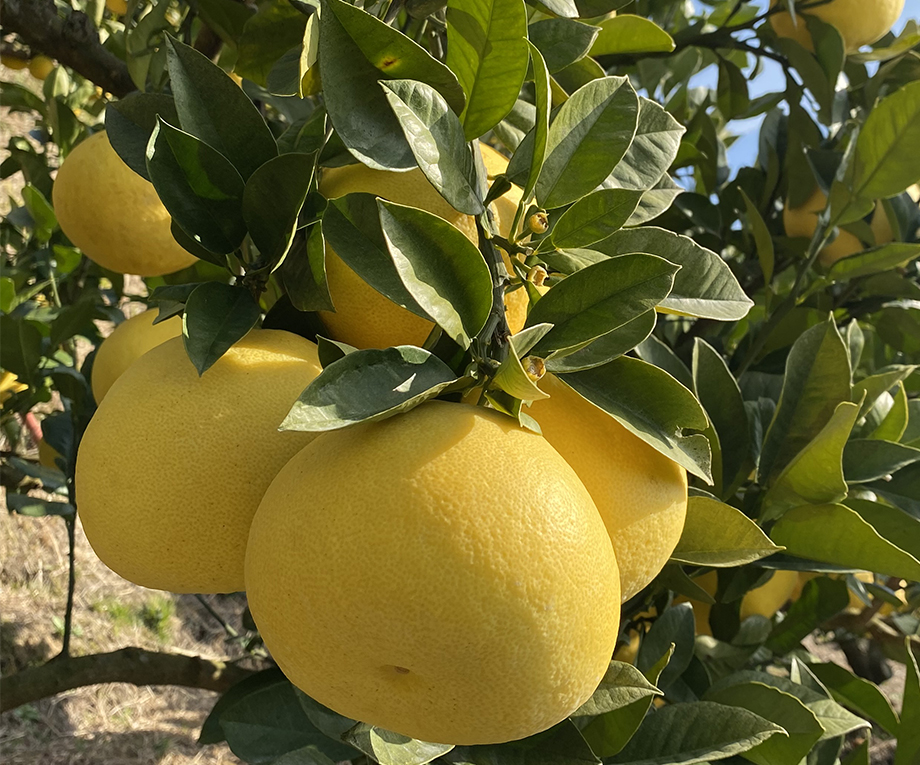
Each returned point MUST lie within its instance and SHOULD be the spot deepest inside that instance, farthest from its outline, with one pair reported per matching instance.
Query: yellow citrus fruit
(114, 215)
(627, 652)
(130, 340)
(363, 317)
(442, 574)
(118, 7)
(172, 466)
(48, 455)
(40, 67)
(860, 22)
(13, 62)
(640, 493)
(802, 222)
(764, 601)
(9, 384)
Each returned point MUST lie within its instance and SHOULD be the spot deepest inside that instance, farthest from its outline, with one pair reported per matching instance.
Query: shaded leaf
(607, 347)
(621, 685)
(821, 599)
(562, 41)
(716, 534)
(594, 217)
(860, 695)
(216, 316)
(130, 121)
(871, 459)
(389, 748)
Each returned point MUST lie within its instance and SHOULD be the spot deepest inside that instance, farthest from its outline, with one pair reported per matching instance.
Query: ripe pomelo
(172, 466)
(130, 340)
(443, 574)
(860, 22)
(365, 318)
(114, 215)
(640, 493)
(764, 601)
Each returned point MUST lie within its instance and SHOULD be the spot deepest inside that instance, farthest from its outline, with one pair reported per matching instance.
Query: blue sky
(744, 149)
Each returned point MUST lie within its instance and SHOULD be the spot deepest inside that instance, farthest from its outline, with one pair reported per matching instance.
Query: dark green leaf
(201, 190)
(607, 347)
(656, 352)
(594, 217)
(226, 17)
(272, 199)
(762, 238)
(867, 459)
(276, 28)
(733, 97)
(562, 41)
(435, 136)
(650, 404)
(35, 507)
(440, 268)
(20, 347)
(130, 121)
(487, 49)
(909, 727)
(211, 732)
(216, 316)
(821, 599)
(716, 534)
(389, 748)
(674, 627)
(304, 272)
(857, 694)
(368, 385)
(215, 110)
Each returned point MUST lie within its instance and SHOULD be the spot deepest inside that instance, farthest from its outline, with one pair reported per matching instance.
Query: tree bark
(72, 40)
(128, 665)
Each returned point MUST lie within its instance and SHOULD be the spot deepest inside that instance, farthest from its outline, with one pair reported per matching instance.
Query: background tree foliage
(785, 384)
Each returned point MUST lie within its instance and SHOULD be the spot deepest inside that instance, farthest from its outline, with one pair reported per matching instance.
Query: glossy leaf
(389, 748)
(718, 535)
(487, 50)
(440, 268)
(216, 316)
(272, 31)
(304, 273)
(607, 347)
(599, 299)
(366, 386)
(589, 135)
(562, 41)
(626, 33)
(215, 110)
(130, 121)
(540, 134)
(435, 136)
(594, 217)
(867, 459)
(650, 404)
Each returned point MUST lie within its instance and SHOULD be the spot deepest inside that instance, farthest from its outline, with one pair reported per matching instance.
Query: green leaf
(513, 378)
(874, 261)
(886, 148)
(589, 136)
(562, 41)
(388, 748)
(599, 299)
(778, 707)
(487, 49)
(733, 97)
(211, 732)
(857, 694)
(704, 287)
(650, 404)
(304, 273)
(201, 190)
(225, 17)
(762, 238)
(875, 385)
(815, 475)
(621, 686)
(718, 535)
(903, 490)
(20, 347)
(215, 110)
(651, 152)
(626, 33)
(276, 27)
(76, 318)
(718, 392)
(216, 316)
(817, 380)
(895, 423)
(269, 722)
(867, 459)
(562, 744)
(440, 268)
(909, 728)
(272, 199)
(368, 385)
(607, 347)
(675, 627)
(595, 217)
(130, 121)
(351, 226)
(540, 133)
(36, 507)
(695, 733)
(656, 352)
(893, 524)
(838, 535)
(435, 136)
(308, 755)
(821, 599)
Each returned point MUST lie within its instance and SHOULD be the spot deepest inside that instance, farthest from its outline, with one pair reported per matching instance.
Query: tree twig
(128, 665)
(72, 40)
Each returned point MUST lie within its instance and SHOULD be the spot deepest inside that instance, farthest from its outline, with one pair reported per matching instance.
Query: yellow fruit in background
(172, 466)
(9, 384)
(860, 22)
(48, 455)
(640, 493)
(802, 222)
(442, 574)
(365, 318)
(627, 652)
(114, 215)
(764, 601)
(40, 67)
(118, 7)
(130, 340)
(13, 62)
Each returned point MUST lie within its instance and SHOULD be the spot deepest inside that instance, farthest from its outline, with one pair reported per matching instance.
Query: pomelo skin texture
(114, 215)
(860, 22)
(640, 493)
(130, 340)
(442, 574)
(363, 317)
(172, 466)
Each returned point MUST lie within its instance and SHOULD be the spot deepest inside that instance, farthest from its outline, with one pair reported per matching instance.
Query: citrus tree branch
(72, 40)
(128, 665)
